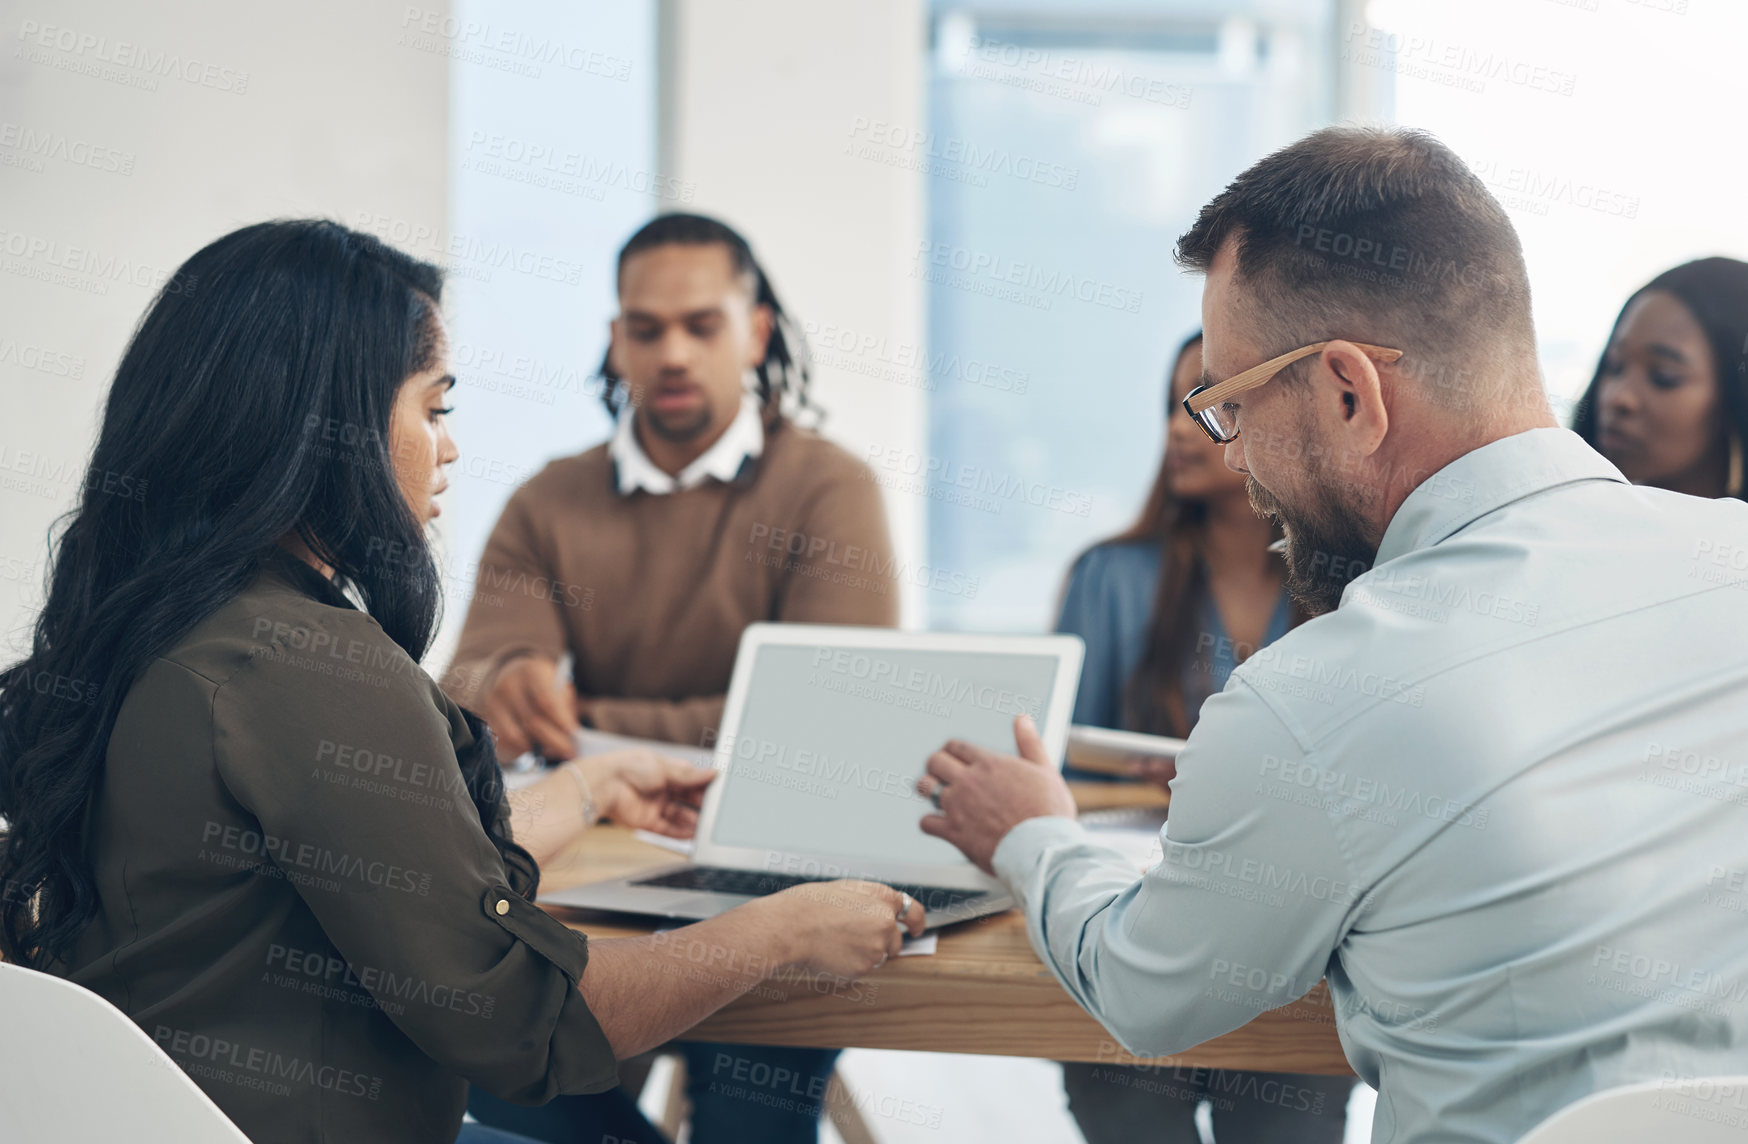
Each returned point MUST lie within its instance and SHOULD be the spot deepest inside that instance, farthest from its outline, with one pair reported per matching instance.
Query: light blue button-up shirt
(1499, 797)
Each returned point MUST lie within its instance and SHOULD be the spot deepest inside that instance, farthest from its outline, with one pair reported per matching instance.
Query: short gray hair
(1380, 235)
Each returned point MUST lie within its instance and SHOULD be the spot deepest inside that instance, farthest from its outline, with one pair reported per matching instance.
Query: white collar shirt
(744, 439)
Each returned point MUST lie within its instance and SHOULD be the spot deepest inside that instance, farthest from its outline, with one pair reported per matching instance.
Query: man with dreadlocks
(644, 558)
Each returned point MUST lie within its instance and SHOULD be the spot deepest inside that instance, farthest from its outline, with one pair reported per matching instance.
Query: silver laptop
(825, 732)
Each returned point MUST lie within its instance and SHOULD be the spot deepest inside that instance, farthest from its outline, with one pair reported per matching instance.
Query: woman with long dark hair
(238, 808)
(1167, 609)
(1668, 403)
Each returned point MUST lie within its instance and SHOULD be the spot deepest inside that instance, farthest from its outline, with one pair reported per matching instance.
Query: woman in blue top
(1167, 609)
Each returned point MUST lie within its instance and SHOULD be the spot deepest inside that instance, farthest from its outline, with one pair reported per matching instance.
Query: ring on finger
(903, 905)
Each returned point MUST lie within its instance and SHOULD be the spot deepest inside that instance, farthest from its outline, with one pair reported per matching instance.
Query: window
(1066, 154)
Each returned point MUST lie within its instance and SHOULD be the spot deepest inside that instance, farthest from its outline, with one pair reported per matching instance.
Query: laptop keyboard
(757, 883)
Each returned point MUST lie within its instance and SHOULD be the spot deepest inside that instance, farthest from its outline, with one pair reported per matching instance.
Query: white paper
(677, 845)
(920, 946)
(1132, 831)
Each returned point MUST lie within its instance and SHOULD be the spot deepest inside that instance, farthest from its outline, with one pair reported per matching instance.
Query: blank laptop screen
(832, 740)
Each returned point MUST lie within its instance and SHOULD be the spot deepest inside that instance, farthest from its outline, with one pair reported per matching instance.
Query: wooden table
(983, 991)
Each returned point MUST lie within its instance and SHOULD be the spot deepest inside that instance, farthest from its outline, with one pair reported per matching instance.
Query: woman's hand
(645, 790)
(1157, 771)
(845, 928)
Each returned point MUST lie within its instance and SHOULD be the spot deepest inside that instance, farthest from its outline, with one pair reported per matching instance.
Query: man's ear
(1364, 418)
(759, 334)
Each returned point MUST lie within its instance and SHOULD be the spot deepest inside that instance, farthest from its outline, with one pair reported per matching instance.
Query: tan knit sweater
(651, 593)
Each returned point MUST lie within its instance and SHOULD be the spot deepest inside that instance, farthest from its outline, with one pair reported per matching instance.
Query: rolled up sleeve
(362, 806)
(1241, 914)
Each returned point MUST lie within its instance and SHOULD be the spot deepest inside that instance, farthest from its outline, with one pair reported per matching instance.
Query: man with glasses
(1494, 792)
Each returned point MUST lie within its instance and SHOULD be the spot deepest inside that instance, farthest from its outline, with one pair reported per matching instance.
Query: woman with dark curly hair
(1669, 401)
(239, 810)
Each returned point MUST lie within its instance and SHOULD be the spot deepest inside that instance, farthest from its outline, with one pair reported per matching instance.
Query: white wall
(133, 134)
(1606, 129)
(761, 101)
(130, 138)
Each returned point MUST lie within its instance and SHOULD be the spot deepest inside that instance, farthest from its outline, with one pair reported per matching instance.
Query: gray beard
(1326, 549)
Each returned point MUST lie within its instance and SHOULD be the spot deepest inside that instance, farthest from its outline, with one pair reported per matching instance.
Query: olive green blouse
(296, 900)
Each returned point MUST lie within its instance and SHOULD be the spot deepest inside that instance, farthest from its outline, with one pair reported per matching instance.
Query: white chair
(1700, 1110)
(75, 1070)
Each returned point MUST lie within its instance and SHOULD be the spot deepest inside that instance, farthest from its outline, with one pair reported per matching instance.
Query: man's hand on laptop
(646, 790)
(846, 928)
(528, 708)
(983, 794)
